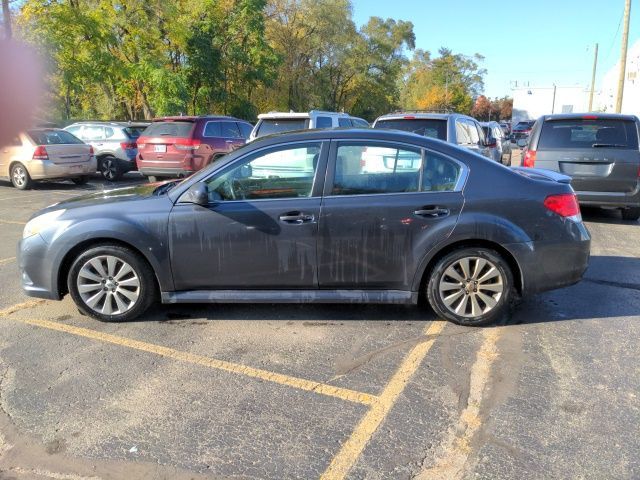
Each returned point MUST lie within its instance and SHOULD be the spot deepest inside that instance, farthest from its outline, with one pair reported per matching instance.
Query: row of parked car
(174, 147)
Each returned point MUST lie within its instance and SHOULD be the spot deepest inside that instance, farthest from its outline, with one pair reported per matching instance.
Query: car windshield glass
(270, 126)
(522, 126)
(588, 133)
(135, 132)
(169, 129)
(422, 126)
(53, 137)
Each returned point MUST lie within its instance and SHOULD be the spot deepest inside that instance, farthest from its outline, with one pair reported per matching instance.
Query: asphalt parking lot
(286, 391)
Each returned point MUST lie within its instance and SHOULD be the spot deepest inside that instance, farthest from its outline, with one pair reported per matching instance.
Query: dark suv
(451, 127)
(178, 146)
(599, 152)
(522, 130)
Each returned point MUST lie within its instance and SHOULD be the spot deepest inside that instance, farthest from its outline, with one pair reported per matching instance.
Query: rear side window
(586, 133)
(245, 129)
(440, 173)
(269, 126)
(53, 137)
(323, 122)
(229, 130)
(363, 169)
(344, 122)
(169, 129)
(422, 126)
(474, 132)
(358, 122)
(462, 133)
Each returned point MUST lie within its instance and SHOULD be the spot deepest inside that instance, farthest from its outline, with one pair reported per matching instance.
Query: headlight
(36, 225)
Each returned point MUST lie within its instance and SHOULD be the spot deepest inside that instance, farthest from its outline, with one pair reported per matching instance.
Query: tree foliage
(116, 59)
(496, 109)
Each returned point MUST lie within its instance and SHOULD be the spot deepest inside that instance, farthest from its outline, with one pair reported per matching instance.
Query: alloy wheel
(109, 169)
(471, 286)
(108, 285)
(19, 176)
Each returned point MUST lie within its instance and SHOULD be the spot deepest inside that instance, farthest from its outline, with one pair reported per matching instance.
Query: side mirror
(197, 194)
(522, 142)
(245, 171)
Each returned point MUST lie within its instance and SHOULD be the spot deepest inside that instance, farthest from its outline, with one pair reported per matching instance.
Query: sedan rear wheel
(111, 283)
(631, 213)
(20, 177)
(471, 286)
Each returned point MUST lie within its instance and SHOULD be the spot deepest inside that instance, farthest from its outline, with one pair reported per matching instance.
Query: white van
(281, 122)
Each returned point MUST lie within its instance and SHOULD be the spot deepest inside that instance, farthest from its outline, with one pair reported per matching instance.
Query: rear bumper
(610, 199)
(45, 169)
(165, 172)
(553, 264)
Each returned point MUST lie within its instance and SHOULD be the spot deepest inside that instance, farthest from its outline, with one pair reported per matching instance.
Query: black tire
(503, 275)
(20, 177)
(146, 289)
(110, 169)
(81, 180)
(631, 213)
(508, 162)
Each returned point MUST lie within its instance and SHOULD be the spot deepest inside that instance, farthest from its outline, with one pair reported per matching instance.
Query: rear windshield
(585, 133)
(134, 132)
(279, 125)
(53, 137)
(523, 125)
(169, 129)
(421, 126)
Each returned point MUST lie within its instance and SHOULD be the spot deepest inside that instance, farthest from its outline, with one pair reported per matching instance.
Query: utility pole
(623, 55)
(593, 78)
(7, 19)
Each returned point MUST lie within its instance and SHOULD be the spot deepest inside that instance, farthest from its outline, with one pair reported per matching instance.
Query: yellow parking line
(12, 222)
(20, 306)
(294, 382)
(355, 444)
(6, 260)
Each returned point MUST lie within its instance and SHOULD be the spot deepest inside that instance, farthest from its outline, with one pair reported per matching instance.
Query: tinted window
(474, 132)
(245, 129)
(583, 133)
(358, 122)
(53, 137)
(421, 126)
(462, 133)
(134, 132)
(523, 126)
(212, 129)
(285, 172)
(323, 122)
(75, 130)
(344, 122)
(485, 130)
(440, 173)
(279, 125)
(169, 129)
(229, 130)
(368, 169)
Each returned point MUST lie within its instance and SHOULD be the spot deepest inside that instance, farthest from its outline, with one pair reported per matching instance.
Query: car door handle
(432, 211)
(296, 218)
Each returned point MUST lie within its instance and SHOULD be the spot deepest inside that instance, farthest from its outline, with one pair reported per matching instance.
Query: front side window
(475, 133)
(283, 172)
(323, 122)
(362, 169)
(92, 133)
(344, 122)
(245, 129)
(462, 132)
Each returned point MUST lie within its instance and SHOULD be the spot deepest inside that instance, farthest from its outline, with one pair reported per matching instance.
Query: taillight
(187, 144)
(40, 153)
(529, 159)
(564, 204)
(128, 145)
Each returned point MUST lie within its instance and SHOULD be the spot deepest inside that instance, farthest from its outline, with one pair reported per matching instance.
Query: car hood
(106, 197)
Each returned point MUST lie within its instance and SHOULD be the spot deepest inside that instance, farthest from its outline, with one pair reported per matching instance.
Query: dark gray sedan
(333, 216)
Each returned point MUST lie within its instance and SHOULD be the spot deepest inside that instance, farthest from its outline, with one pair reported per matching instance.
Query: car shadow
(605, 215)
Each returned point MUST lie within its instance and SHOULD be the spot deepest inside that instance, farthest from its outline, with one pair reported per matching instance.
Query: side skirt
(398, 297)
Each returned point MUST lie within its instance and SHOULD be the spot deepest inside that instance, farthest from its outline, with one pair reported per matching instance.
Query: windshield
(169, 129)
(269, 126)
(422, 126)
(523, 125)
(53, 137)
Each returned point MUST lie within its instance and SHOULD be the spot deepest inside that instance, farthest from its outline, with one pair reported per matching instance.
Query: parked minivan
(453, 128)
(280, 122)
(598, 151)
(176, 147)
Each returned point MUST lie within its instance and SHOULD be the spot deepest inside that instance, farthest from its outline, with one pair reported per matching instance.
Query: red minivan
(174, 147)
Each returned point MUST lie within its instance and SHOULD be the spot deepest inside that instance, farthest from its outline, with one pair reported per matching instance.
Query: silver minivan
(114, 144)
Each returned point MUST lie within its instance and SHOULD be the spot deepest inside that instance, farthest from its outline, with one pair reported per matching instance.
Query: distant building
(606, 99)
(529, 103)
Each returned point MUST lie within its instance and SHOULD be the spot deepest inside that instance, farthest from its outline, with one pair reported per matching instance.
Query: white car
(280, 122)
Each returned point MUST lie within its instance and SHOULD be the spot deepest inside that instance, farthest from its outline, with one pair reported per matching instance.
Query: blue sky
(537, 41)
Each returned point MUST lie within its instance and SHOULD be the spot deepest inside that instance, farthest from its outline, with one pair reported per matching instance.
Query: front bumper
(36, 269)
(46, 169)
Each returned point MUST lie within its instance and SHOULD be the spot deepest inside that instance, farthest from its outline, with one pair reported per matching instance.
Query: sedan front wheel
(471, 286)
(111, 283)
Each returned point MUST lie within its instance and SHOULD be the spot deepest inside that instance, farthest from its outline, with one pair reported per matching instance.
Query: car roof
(403, 115)
(589, 116)
(193, 118)
(300, 114)
(114, 123)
